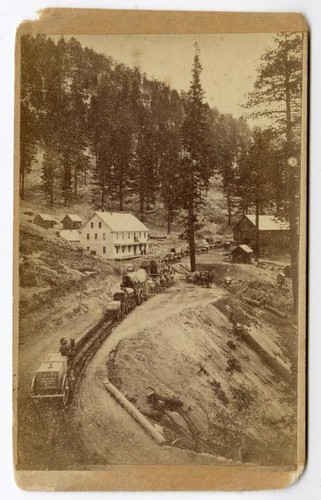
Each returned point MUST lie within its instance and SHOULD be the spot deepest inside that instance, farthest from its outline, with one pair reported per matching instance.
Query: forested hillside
(134, 143)
(87, 119)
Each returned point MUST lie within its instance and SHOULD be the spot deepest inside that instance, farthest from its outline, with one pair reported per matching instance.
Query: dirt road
(109, 434)
(95, 430)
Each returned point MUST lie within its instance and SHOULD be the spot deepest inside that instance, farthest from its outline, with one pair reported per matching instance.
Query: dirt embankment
(211, 390)
(62, 293)
(58, 282)
(257, 281)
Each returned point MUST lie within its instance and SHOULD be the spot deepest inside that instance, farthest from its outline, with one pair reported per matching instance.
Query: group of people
(68, 349)
(162, 272)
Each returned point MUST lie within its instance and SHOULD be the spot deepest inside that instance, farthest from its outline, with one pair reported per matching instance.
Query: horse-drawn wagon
(53, 379)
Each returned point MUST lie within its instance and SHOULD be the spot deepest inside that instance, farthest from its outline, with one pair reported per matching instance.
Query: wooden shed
(71, 221)
(242, 254)
(273, 233)
(44, 220)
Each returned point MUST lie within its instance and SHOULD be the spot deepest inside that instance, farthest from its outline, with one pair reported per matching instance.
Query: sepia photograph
(161, 234)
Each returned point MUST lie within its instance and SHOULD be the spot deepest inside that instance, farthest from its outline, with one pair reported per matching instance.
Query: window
(99, 225)
(117, 249)
(104, 236)
(123, 235)
(123, 249)
(128, 235)
(91, 224)
(88, 248)
(104, 249)
(129, 248)
(87, 236)
(96, 236)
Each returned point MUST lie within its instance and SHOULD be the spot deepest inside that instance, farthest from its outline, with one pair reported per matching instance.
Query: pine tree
(255, 174)
(28, 143)
(101, 118)
(277, 95)
(30, 104)
(145, 170)
(195, 162)
(170, 177)
(123, 133)
(50, 169)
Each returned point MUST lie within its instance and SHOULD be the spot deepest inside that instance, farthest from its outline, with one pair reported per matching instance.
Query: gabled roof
(46, 217)
(119, 221)
(73, 217)
(246, 248)
(269, 222)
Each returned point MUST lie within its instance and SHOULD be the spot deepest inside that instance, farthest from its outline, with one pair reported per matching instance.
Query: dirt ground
(63, 293)
(218, 395)
(220, 398)
(257, 281)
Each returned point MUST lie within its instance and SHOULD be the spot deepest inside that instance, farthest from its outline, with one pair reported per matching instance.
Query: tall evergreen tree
(255, 175)
(196, 162)
(170, 175)
(50, 171)
(277, 95)
(76, 140)
(30, 104)
(101, 119)
(123, 136)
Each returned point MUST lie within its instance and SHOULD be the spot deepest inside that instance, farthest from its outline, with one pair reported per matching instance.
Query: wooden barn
(71, 221)
(273, 233)
(45, 220)
(242, 254)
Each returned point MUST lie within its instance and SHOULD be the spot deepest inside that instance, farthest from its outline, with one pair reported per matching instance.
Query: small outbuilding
(71, 235)
(71, 221)
(273, 233)
(242, 254)
(44, 220)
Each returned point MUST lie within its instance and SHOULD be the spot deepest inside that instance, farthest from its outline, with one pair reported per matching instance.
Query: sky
(229, 61)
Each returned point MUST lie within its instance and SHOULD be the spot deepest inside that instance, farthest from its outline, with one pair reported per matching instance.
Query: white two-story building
(114, 235)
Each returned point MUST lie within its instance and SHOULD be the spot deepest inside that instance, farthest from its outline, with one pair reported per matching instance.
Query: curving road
(109, 434)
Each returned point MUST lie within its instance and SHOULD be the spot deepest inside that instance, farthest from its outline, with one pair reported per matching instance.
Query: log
(136, 414)
(276, 312)
(253, 302)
